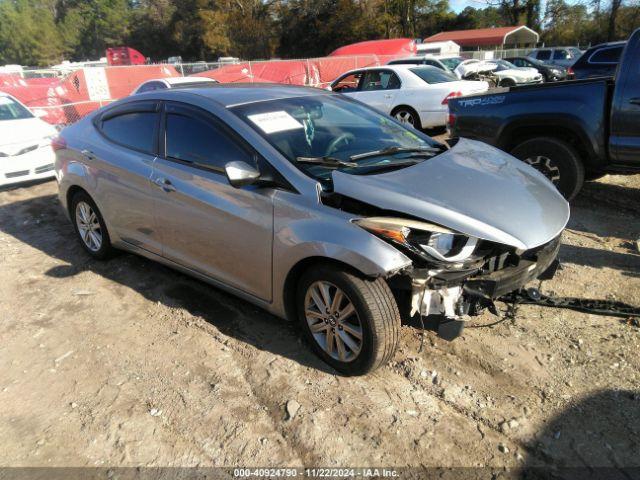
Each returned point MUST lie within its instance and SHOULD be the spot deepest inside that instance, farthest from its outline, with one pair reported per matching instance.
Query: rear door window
(132, 129)
(561, 55)
(543, 55)
(609, 55)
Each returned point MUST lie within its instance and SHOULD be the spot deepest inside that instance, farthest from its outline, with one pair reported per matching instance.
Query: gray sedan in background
(312, 206)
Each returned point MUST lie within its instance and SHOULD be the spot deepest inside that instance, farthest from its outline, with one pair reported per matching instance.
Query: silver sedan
(312, 206)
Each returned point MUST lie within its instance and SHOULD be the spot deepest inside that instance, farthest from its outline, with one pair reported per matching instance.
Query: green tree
(28, 34)
(89, 27)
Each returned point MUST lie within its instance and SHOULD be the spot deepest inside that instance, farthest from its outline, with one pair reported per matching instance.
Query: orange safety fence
(64, 100)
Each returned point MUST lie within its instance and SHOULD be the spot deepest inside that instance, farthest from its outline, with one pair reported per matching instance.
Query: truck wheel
(556, 160)
(352, 323)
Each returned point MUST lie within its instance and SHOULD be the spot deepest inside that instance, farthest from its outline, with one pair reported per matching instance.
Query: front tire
(351, 322)
(556, 160)
(90, 226)
(507, 82)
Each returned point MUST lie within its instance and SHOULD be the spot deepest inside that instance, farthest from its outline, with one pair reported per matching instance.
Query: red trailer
(395, 46)
(117, 56)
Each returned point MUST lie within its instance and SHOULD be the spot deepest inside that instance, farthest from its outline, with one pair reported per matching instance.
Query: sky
(459, 5)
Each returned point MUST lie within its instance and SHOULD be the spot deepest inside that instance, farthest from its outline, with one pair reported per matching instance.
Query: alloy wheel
(333, 321)
(545, 166)
(88, 226)
(404, 116)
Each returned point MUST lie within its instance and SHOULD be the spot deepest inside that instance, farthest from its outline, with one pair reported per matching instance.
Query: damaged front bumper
(455, 296)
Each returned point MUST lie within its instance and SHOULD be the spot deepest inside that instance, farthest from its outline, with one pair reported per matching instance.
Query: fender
(324, 232)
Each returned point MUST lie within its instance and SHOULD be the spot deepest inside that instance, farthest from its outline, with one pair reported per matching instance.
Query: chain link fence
(65, 94)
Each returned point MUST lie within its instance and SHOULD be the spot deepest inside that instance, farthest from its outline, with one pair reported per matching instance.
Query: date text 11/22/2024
(315, 472)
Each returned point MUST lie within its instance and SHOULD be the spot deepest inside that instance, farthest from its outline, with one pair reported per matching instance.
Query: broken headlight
(431, 242)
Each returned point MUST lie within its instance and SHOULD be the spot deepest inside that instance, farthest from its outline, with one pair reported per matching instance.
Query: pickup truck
(571, 131)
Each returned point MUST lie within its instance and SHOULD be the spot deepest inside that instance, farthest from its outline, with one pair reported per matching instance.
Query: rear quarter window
(609, 55)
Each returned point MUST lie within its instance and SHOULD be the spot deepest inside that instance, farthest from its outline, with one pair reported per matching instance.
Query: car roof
(232, 94)
(179, 80)
(609, 44)
(398, 67)
(426, 55)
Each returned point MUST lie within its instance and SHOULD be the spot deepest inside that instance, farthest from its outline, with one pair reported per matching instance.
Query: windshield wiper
(326, 161)
(379, 167)
(392, 150)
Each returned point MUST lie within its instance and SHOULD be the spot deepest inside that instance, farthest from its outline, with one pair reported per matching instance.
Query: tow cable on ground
(612, 308)
(533, 296)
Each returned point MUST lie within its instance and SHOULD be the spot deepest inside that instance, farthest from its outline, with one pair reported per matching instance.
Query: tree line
(44, 32)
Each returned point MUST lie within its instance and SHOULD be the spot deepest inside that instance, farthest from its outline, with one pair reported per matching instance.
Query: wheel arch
(521, 133)
(295, 273)
(71, 192)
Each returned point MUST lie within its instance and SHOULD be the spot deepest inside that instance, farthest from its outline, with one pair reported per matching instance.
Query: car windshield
(451, 63)
(323, 133)
(433, 75)
(503, 65)
(12, 110)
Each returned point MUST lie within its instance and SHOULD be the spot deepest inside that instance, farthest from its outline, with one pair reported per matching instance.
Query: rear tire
(555, 159)
(408, 116)
(90, 226)
(370, 332)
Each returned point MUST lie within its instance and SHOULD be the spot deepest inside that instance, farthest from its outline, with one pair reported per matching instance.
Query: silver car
(312, 206)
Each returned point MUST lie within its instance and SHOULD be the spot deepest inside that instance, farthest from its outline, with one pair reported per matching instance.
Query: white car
(448, 63)
(174, 82)
(25, 144)
(508, 75)
(417, 95)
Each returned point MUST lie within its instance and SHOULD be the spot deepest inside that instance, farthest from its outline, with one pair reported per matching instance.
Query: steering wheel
(345, 138)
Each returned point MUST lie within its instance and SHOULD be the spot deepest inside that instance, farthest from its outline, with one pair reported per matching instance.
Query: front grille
(21, 173)
(44, 168)
(28, 149)
(500, 259)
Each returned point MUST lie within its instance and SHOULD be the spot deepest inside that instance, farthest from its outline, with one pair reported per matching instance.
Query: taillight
(58, 143)
(570, 72)
(450, 96)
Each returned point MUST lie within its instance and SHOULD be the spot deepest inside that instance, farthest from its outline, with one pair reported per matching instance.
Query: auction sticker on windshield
(273, 122)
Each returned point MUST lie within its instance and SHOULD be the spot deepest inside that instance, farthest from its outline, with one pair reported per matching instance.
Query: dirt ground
(128, 363)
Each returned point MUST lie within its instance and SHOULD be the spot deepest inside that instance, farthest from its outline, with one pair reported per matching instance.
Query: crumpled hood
(16, 134)
(474, 189)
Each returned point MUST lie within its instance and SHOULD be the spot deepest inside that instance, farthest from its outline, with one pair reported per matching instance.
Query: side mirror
(240, 174)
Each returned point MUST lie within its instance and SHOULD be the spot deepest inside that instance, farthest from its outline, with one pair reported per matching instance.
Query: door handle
(165, 184)
(88, 154)
(388, 95)
(635, 101)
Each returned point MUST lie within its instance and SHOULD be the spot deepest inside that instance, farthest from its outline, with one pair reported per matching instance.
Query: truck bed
(504, 115)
